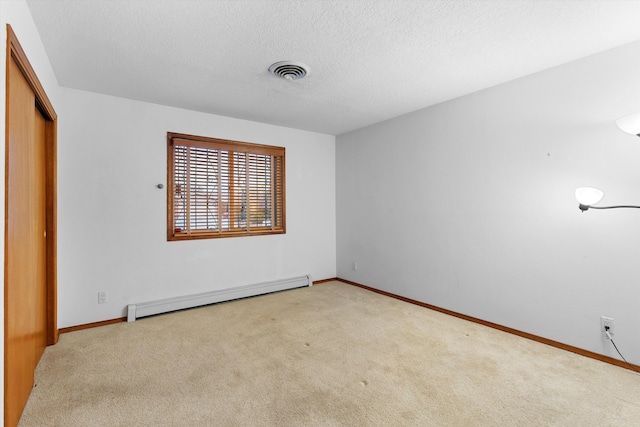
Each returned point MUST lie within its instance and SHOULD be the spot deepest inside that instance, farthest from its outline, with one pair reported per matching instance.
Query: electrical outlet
(355, 266)
(102, 297)
(606, 324)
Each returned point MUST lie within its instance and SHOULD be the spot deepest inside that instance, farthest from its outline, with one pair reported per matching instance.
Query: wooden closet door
(40, 234)
(25, 274)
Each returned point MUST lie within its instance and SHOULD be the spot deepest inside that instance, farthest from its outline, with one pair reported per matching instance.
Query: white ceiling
(370, 60)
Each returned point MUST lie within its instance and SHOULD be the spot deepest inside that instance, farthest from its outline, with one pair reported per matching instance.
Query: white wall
(16, 13)
(469, 205)
(112, 218)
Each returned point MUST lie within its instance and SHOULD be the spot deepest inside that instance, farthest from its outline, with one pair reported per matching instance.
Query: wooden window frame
(260, 164)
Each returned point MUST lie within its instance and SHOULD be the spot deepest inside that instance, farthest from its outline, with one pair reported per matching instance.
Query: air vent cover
(289, 70)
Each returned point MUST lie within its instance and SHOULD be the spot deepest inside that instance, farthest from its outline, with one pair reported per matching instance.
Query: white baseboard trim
(136, 311)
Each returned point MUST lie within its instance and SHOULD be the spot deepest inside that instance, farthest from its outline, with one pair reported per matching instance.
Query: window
(220, 188)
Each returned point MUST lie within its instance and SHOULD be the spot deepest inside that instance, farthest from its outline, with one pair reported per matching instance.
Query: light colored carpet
(329, 355)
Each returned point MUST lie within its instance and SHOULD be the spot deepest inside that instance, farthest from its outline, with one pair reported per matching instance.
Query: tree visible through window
(221, 188)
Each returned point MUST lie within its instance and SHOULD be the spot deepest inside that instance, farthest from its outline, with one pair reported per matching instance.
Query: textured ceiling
(369, 60)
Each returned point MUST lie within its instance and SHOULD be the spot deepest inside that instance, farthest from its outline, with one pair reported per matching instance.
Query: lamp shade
(630, 124)
(588, 196)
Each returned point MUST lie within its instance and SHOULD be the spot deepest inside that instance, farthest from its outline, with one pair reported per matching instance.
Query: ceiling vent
(289, 70)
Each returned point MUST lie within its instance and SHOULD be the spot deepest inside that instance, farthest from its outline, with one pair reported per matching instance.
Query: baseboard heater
(136, 311)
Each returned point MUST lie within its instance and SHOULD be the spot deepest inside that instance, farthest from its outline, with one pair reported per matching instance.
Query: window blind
(221, 188)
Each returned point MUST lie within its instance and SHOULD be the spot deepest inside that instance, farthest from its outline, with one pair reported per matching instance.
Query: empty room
(321, 212)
